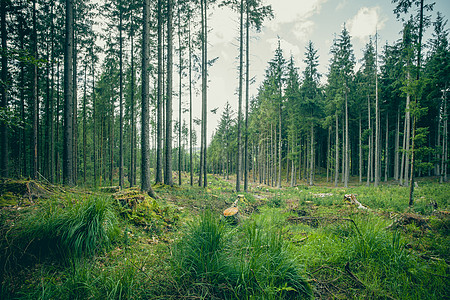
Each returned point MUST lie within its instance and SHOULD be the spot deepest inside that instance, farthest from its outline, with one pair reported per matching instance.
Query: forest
(106, 193)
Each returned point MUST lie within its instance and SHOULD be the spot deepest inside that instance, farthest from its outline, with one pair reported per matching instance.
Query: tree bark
(247, 63)
(159, 100)
(68, 178)
(239, 125)
(336, 168)
(4, 155)
(179, 95)
(168, 147)
(121, 154)
(190, 106)
(145, 133)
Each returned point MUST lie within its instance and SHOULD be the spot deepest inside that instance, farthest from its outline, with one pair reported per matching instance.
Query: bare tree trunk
(360, 149)
(347, 171)
(408, 137)
(121, 175)
(311, 168)
(377, 120)
(443, 171)
(84, 124)
(328, 153)
(336, 168)
(94, 119)
(279, 144)
(68, 100)
(397, 142)
(247, 63)
(190, 106)
(159, 100)
(132, 171)
(205, 96)
(168, 148)
(4, 156)
(369, 158)
(386, 153)
(145, 146)
(179, 95)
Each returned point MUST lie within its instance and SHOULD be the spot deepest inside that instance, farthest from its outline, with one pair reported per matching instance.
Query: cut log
(229, 212)
(351, 199)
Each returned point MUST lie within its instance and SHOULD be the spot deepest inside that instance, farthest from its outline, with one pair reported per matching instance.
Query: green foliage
(200, 260)
(254, 261)
(72, 229)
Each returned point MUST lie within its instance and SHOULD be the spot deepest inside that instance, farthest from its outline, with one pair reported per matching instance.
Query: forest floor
(83, 243)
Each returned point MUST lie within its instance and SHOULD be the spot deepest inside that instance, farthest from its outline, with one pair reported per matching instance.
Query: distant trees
(65, 114)
(369, 113)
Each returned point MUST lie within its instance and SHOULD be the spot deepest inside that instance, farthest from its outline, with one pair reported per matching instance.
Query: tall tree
(402, 7)
(145, 134)
(159, 95)
(68, 177)
(4, 93)
(241, 70)
(168, 140)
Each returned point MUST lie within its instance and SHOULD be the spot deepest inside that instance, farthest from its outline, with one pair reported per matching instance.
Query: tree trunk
(121, 154)
(68, 100)
(132, 171)
(35, 95)
(408, 137)
(443, 169)
(239, 121)
(205, 96)
(247, 63)
(179, 95)
(159, 99)
(369, 155)
(397, 142)
(386, 153)
(336, 168)
(347, 171)
(168, 147)
(145, 143)
(413, 154)
(84, 125)
(377, 121)
(190, 107)
(311, 168)
(4, 156)
(94, 118)
(360, 149)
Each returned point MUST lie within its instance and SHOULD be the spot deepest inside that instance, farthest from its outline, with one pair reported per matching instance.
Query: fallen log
(351, 199)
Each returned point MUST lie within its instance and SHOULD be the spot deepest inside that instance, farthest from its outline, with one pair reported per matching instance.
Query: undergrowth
(253, 261)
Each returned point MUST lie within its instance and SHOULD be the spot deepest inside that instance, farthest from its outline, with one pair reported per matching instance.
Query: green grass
(254, 260)
(86, 247)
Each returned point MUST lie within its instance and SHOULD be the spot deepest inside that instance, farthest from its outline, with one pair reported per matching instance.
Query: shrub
(79, 227)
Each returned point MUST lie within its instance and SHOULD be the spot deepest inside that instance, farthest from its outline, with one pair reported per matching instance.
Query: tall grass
(200, 257)
(379, 258)
(214, 260)
(76, 228)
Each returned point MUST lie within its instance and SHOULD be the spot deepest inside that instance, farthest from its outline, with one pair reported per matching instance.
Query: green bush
(200, 257)
(78, 227)
(213, 260)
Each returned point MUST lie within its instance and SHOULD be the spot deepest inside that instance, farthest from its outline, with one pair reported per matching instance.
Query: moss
(9, 199)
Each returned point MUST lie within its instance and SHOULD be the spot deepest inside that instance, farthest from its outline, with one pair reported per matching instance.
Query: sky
(295, 23)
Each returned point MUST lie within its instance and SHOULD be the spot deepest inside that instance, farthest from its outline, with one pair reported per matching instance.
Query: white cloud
(365, 23)
(297, 11)
(225, 26)
(303, 30)
(287, 47)
(342, 4)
